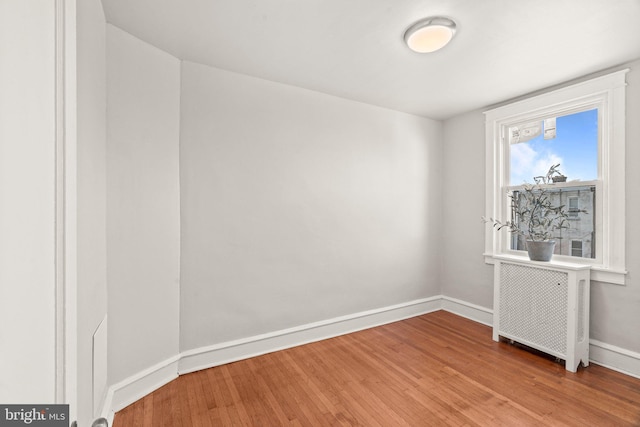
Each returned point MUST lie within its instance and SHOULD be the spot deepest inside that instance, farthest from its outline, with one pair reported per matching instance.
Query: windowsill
(598, 272)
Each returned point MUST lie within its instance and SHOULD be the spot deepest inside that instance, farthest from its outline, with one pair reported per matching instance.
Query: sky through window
(575, 148)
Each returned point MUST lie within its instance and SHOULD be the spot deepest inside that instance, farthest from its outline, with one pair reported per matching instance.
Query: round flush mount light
(430, 34)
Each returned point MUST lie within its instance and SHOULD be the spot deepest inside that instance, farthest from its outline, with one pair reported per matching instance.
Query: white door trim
(66, 206)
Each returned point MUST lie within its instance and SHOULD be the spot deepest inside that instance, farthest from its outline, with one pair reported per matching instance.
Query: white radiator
(544, 306)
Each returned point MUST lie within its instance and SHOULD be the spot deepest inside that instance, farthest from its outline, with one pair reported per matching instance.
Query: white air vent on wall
(544, 306)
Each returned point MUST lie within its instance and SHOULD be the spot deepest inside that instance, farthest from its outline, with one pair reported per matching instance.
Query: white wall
(27, 202)
(299, 207)
(143, 204)
(465, 276)
(91, 201)
(614, 309)
(615, 313)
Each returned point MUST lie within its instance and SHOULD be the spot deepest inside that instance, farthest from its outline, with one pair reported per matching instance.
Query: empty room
(322, 212)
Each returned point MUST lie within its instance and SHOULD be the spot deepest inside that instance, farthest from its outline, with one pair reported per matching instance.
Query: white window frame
(607, 93)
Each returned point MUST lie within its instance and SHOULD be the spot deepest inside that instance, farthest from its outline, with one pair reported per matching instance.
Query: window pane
(570, 140)
(574, 206)
(581, 223)
(576, 248)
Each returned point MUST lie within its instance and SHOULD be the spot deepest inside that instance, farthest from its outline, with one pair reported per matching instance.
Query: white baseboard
(137, 386)
(219, 354)
(615, 358)
(470, 311)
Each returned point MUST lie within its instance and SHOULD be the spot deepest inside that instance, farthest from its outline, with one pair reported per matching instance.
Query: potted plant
(535, 216)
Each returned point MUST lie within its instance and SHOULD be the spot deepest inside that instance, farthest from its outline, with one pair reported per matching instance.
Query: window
(574, 206)
(582, 128)
(582, 223)
(570, 140)
(576, 248)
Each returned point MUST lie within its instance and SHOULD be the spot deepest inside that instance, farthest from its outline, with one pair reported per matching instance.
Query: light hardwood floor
(433, 370)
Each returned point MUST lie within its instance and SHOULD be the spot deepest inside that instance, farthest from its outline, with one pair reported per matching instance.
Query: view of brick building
(579, 239)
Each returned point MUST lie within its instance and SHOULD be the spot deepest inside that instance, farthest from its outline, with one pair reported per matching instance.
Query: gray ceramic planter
(540, 251)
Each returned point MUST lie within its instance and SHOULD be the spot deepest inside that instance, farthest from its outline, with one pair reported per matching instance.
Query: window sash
(517, 244)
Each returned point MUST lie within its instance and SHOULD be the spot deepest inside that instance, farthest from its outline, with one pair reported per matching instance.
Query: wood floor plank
(438, 369)
(147, 411)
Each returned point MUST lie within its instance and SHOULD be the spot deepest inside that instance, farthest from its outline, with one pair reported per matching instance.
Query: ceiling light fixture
(430, 34)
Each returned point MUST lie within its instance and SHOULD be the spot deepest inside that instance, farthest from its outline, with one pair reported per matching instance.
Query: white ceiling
(354, 48)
